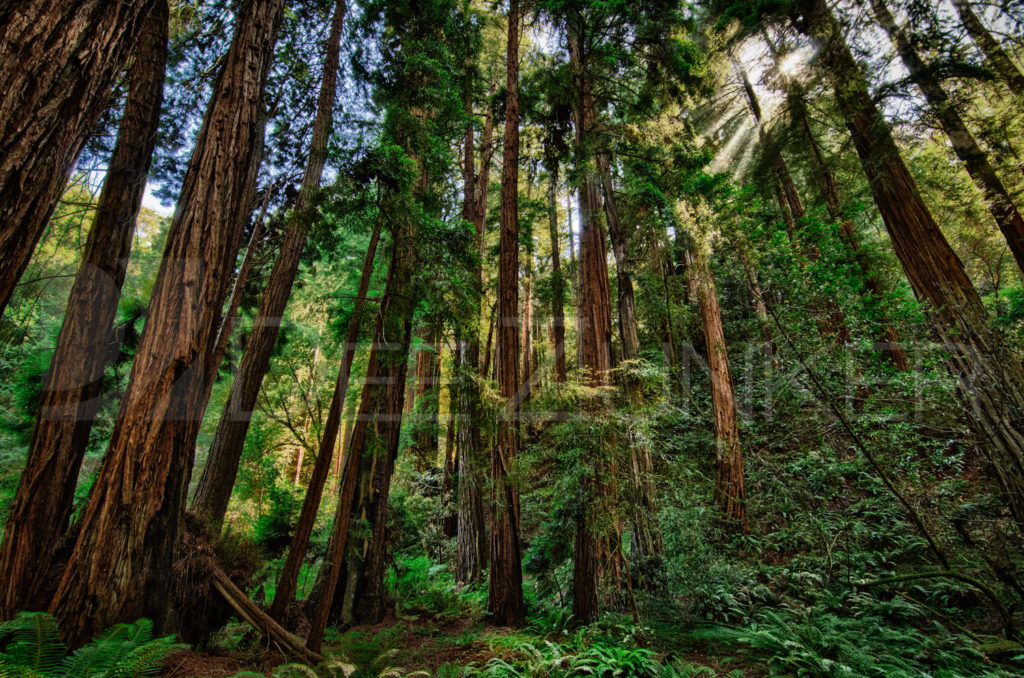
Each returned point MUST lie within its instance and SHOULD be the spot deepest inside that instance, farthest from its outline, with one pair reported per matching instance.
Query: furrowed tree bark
(505, 586)
(120, 567)
(68, 402)
(526, 345)
(999, 201)
(988, 376)
(730, 495)
(557, 281)
(287, 583)
(594, 326)
(59, 62)
(998, 59)
(218, 478)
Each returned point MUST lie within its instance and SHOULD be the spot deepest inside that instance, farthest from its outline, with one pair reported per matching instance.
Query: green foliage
(555, 660)
(32, 649)
(273, 530)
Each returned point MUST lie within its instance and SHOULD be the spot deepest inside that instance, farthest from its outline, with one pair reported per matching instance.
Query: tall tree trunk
(623, 265)
(287, 583)
(595, 327)
(960, 138)
(68, 402)
(471, 530)
(120, 568)
(730, 495)
(526, 345)
(557, 282)
(998, 59)
(989, 377)
(505, 586)
(59, 62)
(218, 477)
(370, 460)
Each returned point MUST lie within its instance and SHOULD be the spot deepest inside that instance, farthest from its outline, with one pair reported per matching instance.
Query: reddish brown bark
(120, 567)
(218, 477)
(557, 284)
(69, 400)
(594, 327)
(505, 586)
(623, 263)
(989, 377)
(999, 201)
(59, 62)
(288, 581)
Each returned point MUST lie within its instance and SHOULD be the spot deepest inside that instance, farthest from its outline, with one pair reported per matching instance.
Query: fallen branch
(260, 620)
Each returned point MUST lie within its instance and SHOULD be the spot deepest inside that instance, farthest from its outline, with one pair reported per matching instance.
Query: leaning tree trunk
(995, 54)
(887, 339)
(287, 583)
(69, 400)
(59, 62)
(218, 477)
(370, 460)
(120, 568)
(505, 587)
(960, 138)
(989, 377)
(595, 332)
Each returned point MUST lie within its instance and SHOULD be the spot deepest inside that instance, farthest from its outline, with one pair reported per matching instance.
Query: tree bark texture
(426, 394)
(69, 399)
(1000, 204)
(998, 59)
(988, 376)
(120, 567)
(623, 264)
(557, 283)
(218, 477)
(59, 62)
(505, 586)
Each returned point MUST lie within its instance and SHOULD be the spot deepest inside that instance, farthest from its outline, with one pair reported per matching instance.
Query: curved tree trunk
(218, 477)
(287, 583)
(505, 586)
(989, 377)
(975, 160)
(68, 402)
(120, 568)
(59, 62)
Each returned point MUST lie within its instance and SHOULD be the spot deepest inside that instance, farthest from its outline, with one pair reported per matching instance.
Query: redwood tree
(58, 64)
(218, 478)
(120, 569)
(69, 399)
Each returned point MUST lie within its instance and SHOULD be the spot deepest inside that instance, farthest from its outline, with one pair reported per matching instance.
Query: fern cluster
(32, 648)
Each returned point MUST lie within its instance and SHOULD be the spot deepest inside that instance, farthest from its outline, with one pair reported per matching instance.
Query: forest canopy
(522, 338)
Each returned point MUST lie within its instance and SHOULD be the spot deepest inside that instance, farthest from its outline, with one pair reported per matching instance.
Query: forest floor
(442, 646)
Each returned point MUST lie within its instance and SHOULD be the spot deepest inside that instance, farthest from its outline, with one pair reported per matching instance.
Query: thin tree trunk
(69, 400)
(557, 282)
(218, 477)
(989, 377)
(120, 568)
(526, 345)
(623, 265)
(426, 387)
(59, 62)
(960, 138)
(287, 583)
(997, 57)
(505, 587)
